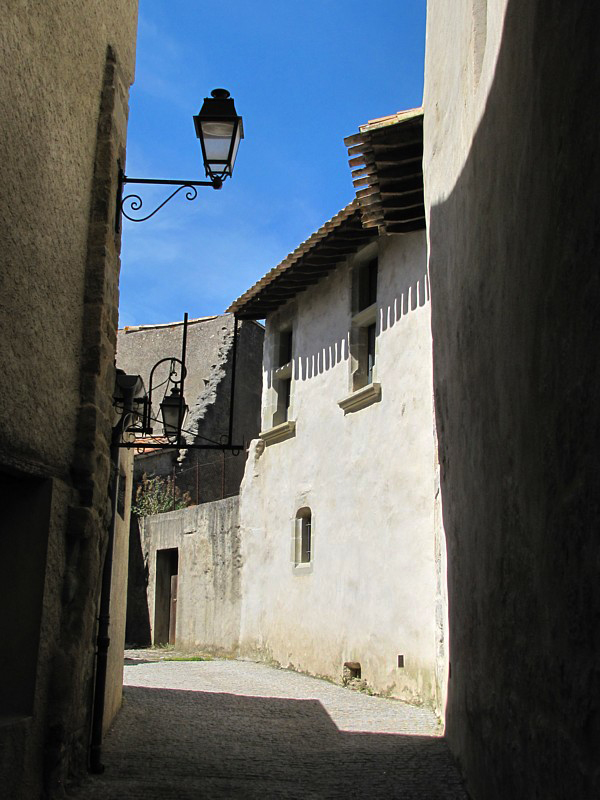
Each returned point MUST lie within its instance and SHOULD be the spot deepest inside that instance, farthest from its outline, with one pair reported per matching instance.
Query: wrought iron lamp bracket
(176, 378)
(178, 382)
(135, 202)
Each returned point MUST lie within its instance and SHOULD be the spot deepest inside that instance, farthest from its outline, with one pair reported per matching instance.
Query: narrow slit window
(303, 538)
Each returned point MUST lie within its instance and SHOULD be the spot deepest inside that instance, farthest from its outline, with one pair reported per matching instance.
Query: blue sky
(303, 76)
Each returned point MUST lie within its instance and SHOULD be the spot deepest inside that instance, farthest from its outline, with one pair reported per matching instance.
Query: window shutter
(296, 542)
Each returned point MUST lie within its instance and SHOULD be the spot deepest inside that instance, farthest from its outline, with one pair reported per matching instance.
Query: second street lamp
(174, 411)
(137, 412)
(220, 131)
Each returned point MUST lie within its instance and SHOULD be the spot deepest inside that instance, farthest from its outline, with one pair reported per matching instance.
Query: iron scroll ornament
(142, 429)
(135, 202)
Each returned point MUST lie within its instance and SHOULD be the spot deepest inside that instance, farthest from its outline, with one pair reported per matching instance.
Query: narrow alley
(234, 729)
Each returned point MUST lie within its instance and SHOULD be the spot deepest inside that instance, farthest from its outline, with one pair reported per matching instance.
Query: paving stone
(237, 729)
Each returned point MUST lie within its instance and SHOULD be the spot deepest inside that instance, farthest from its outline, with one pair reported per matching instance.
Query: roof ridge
(134, 328)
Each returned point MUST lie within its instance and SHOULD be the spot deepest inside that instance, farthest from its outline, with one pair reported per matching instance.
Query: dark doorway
(23, 548)
(165, 597)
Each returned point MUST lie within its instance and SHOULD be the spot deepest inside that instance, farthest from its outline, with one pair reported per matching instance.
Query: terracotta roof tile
(276, 287)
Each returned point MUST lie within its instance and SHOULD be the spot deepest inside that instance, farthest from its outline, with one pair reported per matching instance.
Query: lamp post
(220, 130)
(134, 425)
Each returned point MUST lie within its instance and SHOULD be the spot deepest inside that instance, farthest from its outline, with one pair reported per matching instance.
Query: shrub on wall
(157, 495)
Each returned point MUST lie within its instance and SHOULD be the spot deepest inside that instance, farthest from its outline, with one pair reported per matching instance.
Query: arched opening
(303, 550)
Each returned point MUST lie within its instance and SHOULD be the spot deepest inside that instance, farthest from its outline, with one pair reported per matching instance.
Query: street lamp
(220, 131)
(174, 411)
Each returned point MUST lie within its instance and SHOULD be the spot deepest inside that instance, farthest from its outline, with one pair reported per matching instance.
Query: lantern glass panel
(174, 411)
(236, 144)
(217, 140)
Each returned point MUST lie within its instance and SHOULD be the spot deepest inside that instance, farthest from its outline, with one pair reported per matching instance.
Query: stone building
(198, 548)
(63, 110)
(205, 474)
(511, 177)
(341, 572)
(202, 476)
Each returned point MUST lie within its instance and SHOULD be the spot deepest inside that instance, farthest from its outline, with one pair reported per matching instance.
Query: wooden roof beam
(397, 155)
(405, 227)
(402, 187)
(407, 169)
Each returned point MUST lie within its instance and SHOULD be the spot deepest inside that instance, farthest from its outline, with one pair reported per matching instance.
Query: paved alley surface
(236, 729)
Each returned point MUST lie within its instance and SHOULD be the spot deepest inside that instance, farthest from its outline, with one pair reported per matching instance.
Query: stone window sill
(284, 371)
(279, 433)
(361, 398)
(302, 569)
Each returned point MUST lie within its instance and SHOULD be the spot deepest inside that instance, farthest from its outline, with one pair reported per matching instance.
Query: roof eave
(306, 265)
(386, 159)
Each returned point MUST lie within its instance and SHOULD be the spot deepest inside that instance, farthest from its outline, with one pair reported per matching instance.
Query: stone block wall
(207, 545)
(63, 109)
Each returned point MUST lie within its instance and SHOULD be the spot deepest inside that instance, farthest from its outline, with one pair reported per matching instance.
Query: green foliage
(156, 495)
(187, 658)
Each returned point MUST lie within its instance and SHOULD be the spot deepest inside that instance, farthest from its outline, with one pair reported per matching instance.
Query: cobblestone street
(235, 729)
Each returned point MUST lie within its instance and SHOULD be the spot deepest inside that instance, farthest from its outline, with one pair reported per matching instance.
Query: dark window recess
(285, 347)
(370, 352)
(367, 284)
(306, 540)
(121, 495)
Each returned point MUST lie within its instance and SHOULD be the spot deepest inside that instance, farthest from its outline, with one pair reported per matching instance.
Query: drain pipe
(103, 640)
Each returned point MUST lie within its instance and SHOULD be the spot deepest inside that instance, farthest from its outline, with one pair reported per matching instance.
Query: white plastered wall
(368, 478)
(463, 41)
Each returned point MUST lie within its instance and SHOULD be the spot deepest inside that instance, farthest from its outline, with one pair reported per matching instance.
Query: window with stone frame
(302, 538)
(282, 376)
(363, 331)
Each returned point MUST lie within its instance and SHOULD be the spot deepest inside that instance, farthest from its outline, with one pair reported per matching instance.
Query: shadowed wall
(66, 70)
(511, 172)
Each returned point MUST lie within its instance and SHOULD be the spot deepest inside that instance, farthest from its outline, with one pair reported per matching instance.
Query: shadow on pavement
(188, 744)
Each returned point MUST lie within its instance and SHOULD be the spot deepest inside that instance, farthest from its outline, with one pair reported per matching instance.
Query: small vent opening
(351, 671)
